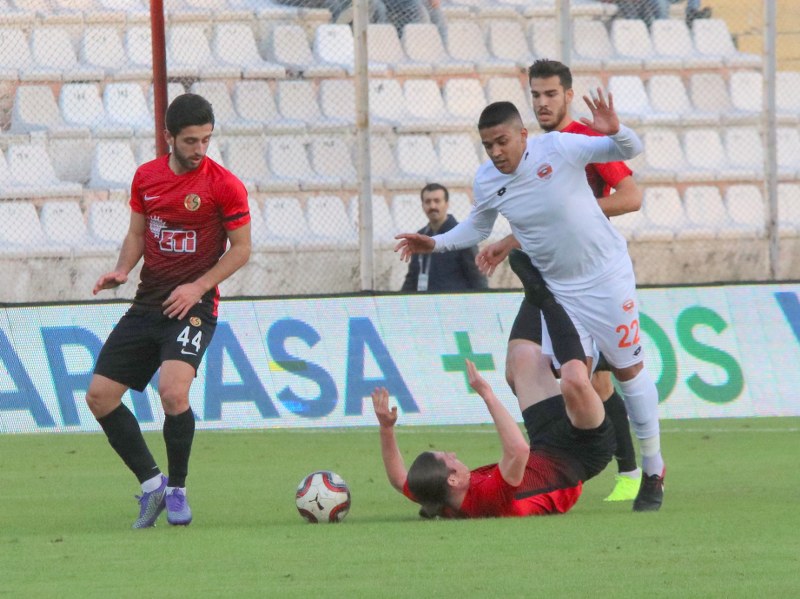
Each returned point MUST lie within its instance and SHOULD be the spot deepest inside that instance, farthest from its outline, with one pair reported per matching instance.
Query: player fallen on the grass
(571, 440)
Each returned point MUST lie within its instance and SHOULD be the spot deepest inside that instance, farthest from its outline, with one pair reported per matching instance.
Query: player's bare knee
(174, 400)
(100, 404)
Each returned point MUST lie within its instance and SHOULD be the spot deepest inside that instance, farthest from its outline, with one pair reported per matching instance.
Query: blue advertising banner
(715, 352)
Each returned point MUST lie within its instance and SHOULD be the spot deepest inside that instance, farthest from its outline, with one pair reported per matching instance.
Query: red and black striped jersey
(187, 219)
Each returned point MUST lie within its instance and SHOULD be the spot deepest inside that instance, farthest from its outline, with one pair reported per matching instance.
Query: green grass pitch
(729, 527)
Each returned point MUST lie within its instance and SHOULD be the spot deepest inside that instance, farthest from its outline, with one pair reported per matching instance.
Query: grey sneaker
(151, 505)
(178, 511)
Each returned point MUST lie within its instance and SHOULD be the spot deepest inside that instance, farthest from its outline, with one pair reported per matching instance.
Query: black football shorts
(143, 339)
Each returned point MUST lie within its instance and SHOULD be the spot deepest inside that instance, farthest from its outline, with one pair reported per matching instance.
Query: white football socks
(641, 401)
(151, 484)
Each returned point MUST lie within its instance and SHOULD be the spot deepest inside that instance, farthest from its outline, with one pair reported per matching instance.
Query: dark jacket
(447, 271)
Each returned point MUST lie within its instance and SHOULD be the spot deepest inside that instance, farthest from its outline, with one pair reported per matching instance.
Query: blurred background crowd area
(76, 118)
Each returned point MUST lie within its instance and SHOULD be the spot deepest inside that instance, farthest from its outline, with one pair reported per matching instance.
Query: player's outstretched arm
(413, 243)
(129, 255)
(515, 448)
(490, 257)
(392, 459)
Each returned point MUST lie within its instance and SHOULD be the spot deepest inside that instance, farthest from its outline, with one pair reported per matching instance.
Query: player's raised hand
(604, 117)
(413, 243)
(110, 280)
(476, 381)
(380, 403)
(490, 257)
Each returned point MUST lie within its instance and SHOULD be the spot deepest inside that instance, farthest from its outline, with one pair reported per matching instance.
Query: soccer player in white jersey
(539, 185)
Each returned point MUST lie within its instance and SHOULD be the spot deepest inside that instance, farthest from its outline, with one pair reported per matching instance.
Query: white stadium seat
(254, 102)
(417, 158)
(52, 50)
(330, 157)
(707, 160)
(297, 101)
(664, 212)
(288, 161)
(329, 223)
(592, 43)
(465, 42)
(507, 42)
(631, 39)
(108, 220)
(707, 216)
(113, 165)
(383, 228)
(745, 206)
(125, 104)
(333, 45)
(386, 53)
(288, 45)
(286, 224)
(712, 38)
(235, 44)
(423, 100)
(671, 38)
(668, 94)
(21, 231)
(225, 115)
(189, 54)
(423, 44)
(407, 212)
(464, 99)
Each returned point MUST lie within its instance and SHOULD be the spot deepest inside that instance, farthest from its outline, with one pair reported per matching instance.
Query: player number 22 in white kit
(630, 334)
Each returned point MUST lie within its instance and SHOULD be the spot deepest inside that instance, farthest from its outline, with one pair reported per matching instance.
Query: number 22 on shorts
(630, 334)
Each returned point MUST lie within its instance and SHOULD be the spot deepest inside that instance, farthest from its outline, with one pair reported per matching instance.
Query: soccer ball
(323, 496)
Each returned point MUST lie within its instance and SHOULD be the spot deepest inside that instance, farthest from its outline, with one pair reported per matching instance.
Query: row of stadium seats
(231, 50)
(272, 164)
(279, 163)
(122, 109)
(704, 213)
(287, 222)
(235, 8)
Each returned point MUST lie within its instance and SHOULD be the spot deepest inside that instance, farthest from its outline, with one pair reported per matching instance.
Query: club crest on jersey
(545, 171)
(195, 321)
(628, 305)
(192, 202)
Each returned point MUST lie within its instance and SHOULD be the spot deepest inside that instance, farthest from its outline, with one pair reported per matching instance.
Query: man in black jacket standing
(447, 271)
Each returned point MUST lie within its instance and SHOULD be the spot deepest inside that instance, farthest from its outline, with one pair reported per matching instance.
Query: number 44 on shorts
(183, 339)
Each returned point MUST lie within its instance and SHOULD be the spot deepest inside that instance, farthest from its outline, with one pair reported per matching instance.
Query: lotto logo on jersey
(179, 242)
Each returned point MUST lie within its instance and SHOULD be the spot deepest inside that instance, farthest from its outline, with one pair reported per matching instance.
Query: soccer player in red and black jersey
(571, 440)
(617, 193)
(185, 210)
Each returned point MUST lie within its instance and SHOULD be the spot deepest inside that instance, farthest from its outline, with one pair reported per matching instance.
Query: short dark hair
(435, 187)
(188, 110)
(427, 481)
(498, 113)
(545, 68)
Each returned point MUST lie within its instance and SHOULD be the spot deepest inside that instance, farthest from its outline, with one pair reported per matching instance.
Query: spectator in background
(447, 271)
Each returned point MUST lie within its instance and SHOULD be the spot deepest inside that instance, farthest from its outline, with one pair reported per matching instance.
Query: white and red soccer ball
(323, 496)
